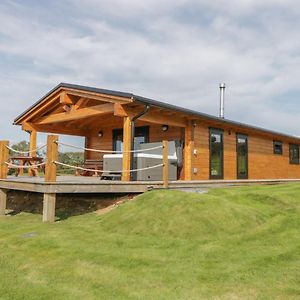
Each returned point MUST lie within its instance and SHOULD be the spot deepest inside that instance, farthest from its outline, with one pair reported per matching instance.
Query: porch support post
(4, 155)
(126, 148)
(3, 200)
(51, 157)
(188, 151)
(49, 207)
(32, 146)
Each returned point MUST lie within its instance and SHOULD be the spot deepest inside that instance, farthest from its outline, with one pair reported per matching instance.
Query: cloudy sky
(175, 51)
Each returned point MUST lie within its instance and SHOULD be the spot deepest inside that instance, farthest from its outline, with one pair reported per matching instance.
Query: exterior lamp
(165, 128)
(100, 133)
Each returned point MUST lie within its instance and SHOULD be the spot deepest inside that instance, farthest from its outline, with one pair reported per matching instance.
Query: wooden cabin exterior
(214, 148)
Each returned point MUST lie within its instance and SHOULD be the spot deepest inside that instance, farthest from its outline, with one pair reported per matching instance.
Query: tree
(21, 146)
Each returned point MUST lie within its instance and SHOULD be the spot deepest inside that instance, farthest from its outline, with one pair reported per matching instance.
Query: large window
(277, 147)
(216, 153)
(242, 156)
(141, 136)
(294, 154)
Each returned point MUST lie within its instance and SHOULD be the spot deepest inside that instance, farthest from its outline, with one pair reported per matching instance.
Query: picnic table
(28, 161)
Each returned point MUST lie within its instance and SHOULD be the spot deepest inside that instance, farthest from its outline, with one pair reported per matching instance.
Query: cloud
(174, 51)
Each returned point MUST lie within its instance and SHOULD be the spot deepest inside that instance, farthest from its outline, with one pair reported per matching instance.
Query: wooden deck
(73, 184)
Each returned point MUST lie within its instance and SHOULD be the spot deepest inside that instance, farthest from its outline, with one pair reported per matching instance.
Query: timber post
(4, 156)
(49, 207)
(51, 157)
(126, 163)
(165, 165)
(188, 150)
(3, 200)
(32, 147)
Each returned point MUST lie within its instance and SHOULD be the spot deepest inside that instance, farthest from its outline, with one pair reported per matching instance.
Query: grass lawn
(233, 243)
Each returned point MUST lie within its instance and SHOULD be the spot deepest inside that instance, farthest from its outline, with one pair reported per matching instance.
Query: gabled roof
(156, 103)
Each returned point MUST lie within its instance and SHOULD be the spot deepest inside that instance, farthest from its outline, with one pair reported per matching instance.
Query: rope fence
(106, 171)
(108, 151)
(26, 152)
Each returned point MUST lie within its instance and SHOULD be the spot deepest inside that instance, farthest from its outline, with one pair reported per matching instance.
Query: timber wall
(262, 162)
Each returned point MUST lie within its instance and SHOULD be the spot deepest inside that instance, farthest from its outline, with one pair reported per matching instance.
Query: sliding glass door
(242, 156)
(216, 154)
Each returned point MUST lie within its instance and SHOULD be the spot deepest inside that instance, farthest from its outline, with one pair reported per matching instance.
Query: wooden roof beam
(62, 129)
(97, 96)
(81, 103)
(77, 114)
(65, 99)
(151, 116)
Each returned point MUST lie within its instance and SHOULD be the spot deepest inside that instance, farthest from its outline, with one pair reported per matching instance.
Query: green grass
(234, 243)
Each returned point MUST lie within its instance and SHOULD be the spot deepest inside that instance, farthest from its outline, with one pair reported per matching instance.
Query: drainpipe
(142, 113)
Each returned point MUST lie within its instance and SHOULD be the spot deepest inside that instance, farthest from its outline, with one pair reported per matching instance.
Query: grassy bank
(234, 243)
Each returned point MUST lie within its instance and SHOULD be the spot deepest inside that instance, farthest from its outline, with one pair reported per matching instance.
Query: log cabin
(213, 147)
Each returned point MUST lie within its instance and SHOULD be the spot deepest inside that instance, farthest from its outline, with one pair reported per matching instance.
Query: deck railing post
(51, 157)
(165, 165)
(4, 156)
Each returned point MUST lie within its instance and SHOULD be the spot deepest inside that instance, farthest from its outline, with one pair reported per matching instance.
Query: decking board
(88, 185)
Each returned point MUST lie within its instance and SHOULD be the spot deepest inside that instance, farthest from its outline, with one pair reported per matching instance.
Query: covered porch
(110, 122)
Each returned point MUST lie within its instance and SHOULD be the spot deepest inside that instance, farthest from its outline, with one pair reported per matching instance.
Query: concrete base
(3, 200)
(49, 207)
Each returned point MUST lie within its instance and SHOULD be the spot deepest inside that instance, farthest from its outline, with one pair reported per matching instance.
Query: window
(242, 156)
(216, 153)
(294, 154)
(141, 136)
(277, 146)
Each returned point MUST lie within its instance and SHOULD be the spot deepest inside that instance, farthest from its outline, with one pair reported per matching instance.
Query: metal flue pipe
(222, 100)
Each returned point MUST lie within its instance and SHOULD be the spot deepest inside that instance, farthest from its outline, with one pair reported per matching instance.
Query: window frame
(295, 146)
(241, 135)
(275, 142)
(221, 132)
(138, 130)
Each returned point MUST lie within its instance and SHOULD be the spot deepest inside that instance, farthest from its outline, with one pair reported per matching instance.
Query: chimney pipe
(222, 99)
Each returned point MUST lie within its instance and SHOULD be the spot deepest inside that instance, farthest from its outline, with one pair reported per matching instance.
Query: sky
(176, 51)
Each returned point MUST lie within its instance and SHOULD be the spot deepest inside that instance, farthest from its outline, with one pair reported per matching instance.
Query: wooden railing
(52, 160)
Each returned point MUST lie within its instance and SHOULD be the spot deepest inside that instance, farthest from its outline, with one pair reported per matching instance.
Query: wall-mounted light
(100, 133)
(165, 128)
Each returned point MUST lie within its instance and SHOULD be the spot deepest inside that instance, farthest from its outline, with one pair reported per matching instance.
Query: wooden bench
(92, 164)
